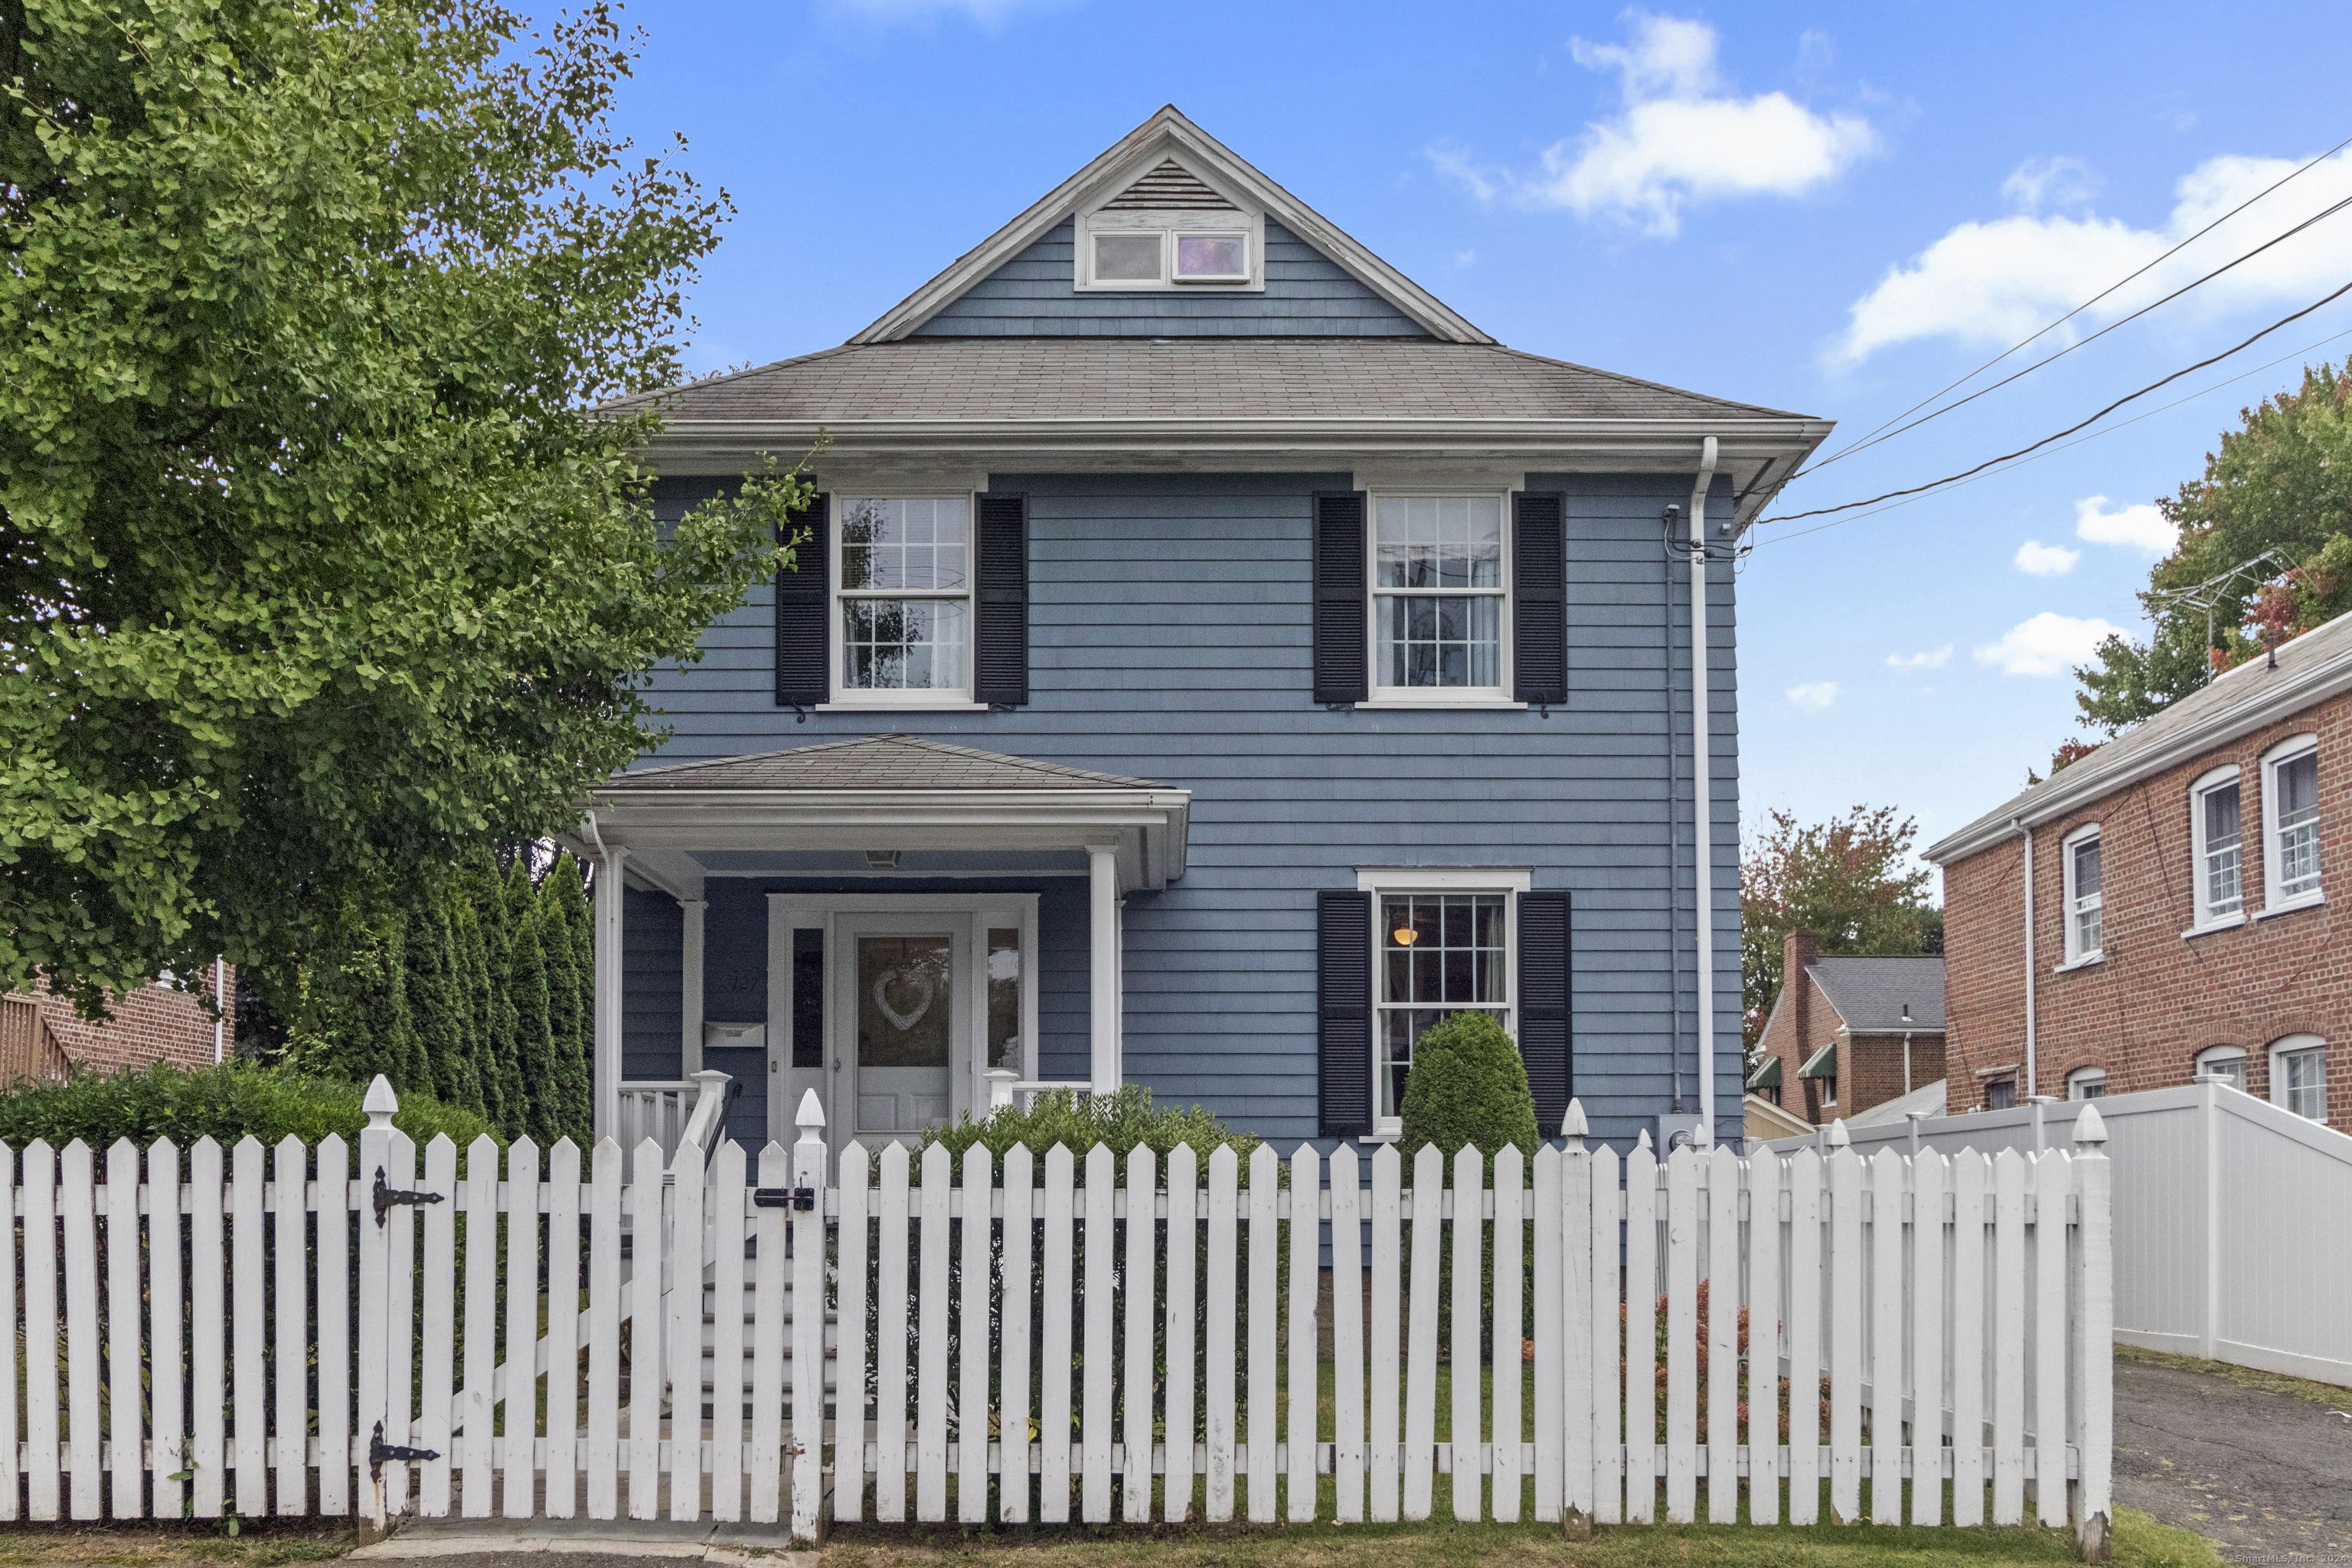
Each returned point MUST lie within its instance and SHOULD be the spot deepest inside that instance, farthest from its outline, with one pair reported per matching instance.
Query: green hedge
(1122, 1122)
(224, 1103)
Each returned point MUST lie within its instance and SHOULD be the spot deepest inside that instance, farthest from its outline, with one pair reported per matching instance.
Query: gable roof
(2310, 669)
(1870, 993)
(870, 762)
(1139, 158)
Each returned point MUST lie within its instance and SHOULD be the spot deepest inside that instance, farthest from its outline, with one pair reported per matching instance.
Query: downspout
(2031, 1087)
(1702, 793)
(1674, 835)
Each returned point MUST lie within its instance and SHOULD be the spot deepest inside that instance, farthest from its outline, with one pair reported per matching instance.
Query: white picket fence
(529, 1349)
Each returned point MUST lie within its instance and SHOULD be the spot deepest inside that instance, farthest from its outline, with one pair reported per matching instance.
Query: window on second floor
(905, 598)
(2218, 848)
(2085, 934)
(2291, 824)
(1440, 602)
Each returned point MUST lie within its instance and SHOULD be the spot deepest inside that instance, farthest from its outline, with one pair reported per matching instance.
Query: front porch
(875, 919)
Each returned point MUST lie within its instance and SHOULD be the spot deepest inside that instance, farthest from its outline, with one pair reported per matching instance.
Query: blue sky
(1834, 209)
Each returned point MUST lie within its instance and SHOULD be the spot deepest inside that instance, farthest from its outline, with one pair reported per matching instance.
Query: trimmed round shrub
(1468, 1088)
(225, 1103)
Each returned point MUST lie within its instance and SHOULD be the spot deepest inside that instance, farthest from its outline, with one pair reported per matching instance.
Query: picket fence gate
(288, 1340)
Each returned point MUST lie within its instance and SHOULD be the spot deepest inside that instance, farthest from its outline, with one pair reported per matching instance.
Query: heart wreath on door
(918, 980)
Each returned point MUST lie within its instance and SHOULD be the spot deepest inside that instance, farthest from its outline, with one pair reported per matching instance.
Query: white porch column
(609, 881)
(689, 1055)
(1102, 967)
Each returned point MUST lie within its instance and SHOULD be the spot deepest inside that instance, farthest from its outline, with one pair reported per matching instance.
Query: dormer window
(1169, 228)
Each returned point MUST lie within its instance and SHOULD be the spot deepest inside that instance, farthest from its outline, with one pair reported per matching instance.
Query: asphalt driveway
(2268, 1475)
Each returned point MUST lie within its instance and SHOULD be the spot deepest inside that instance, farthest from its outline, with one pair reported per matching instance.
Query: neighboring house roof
(1870, 993)
(1928, 1099)
(1760, 1120)
(999, 379)
(2310, 669)
(870, 762)
(1137, 159)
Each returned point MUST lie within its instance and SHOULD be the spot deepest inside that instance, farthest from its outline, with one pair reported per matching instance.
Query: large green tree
(1846, 880)
(317, 556)
(2280, 481)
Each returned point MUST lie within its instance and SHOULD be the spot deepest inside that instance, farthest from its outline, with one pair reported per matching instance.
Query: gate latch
(387, 1197)
(801, 1198)
(379, 1451)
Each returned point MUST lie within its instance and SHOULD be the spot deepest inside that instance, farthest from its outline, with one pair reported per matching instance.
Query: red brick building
(2177, 920)
(1848, 1034)
(41, 1033)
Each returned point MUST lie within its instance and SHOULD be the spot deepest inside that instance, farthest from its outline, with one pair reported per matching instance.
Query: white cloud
(2141, 527)
(1931, 658)
(1681, 138)
(2041, 560)
(1993, 282)
(1465, 258)
(1814, 696)
(2049, 643)
(986, 13)
(1455, 164)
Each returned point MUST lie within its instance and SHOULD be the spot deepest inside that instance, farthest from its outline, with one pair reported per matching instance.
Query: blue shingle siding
(1307, 295)
(1170, 628)
(653, 990)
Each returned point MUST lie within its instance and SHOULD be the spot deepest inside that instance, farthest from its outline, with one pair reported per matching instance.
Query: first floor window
(2087, 1083)
(1441, 953)
(1438, 594)
(2000, 1094)
(2218, 851)
(2084, 920)
(2292, 806)
(2299, 1076)
(904, 596)
(2226, 1064)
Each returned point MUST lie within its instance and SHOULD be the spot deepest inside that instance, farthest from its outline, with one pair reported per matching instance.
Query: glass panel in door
(905, 1007)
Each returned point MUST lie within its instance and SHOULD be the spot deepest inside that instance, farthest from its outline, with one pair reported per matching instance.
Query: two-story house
(1214, 661)
(1849, 1035)
(2158, 911)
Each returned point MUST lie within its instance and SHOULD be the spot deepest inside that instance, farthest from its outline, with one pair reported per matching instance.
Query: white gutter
(2029, 1040)
(1702, 793)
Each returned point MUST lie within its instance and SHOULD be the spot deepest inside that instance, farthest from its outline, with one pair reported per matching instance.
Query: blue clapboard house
(1213, 661)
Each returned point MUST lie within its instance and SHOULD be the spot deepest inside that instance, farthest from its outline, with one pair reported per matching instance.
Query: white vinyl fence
(2228, 1219)
(1054, 1336)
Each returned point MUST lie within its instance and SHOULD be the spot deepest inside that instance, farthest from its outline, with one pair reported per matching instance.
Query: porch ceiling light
(882, 859)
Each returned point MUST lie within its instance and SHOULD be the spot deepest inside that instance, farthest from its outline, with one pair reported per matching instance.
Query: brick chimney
(1799, 949)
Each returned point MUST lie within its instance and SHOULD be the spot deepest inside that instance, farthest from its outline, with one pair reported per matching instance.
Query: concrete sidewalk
(2266, 1475)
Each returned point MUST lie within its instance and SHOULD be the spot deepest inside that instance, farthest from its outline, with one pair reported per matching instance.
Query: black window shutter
(803, 609)
(1340, 623)
(1001, 669)
(1343, 1008)
(1540, 595)
(1544, 998)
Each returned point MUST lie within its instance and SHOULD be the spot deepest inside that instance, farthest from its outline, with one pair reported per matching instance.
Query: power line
(1875, 439)
(2054, 451)
(2060, 435)
(2095, 299)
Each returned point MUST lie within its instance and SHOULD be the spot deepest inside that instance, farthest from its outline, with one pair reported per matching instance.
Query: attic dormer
(1170, 227)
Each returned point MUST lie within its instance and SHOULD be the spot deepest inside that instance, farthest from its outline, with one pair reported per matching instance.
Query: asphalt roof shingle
(1188, 378)
(870, 761)
(1870, 993)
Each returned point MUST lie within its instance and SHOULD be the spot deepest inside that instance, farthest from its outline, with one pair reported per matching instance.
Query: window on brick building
(2291, 824)
(2299, 1076)
(2085, 934)
(2087, 1083)
(2218, 848)
(2000, 1094)
(2226, 1063)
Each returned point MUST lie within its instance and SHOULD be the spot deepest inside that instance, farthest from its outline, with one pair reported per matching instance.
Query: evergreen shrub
(1468, 1089)
(1121, 1123)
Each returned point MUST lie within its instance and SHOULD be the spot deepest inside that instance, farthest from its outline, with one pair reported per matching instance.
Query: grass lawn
(259, 1544)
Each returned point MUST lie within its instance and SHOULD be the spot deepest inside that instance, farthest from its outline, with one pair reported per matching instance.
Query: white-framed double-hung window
(1445, 942)
(2218, 848)
(2299, 1076)
(903, 610)
(1441, 599)
(2084, 906)
(2291, 824)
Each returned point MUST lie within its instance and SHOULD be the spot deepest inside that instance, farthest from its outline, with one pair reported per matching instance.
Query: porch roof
(882, 793)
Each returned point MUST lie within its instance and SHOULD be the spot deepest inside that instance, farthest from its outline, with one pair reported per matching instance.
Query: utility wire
(2122, 424)
(2060, 435)
(2095, 299)
(1873, 439)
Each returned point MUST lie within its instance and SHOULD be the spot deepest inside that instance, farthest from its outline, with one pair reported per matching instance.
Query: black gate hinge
(379, 1451)
(801, 1198)
(387, 1197)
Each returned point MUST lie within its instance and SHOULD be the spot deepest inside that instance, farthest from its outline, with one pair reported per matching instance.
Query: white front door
(902, 1024)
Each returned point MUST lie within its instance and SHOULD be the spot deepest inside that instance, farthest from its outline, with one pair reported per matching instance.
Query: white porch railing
(673, 1114)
